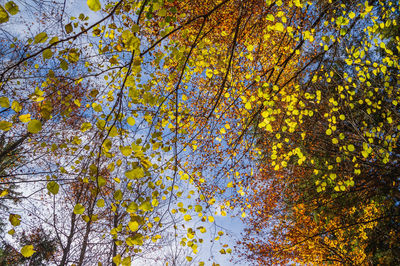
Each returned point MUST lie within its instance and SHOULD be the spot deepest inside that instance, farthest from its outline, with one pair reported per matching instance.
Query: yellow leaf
(107, 144)
(97, 107)
(133, 226)
(135, 173)
(145, 206)
(350, 147)
(132, 207)
(126, 261)
(131, 121)
(25, 118)
(4, 193)
(11, 7)
(53, 187)
(270, 17)
(41, 37)
(100, 203)
(4, 102)
(328, 131)
(47, 54)
(15, 219)
(126, 151)
(34, 126)
(279, 27)
(3, 15)
(85, 126)
(16, 106)
(5, 126)
(27, 251)
(94, 5)
(79, 209)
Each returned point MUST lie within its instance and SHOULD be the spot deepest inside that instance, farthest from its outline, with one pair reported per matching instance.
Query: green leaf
(3, 15)
(27, 251)
(11, 7)
(79, 209)
(53, 187)
(41, 37)
(34, 126)
(94, 5)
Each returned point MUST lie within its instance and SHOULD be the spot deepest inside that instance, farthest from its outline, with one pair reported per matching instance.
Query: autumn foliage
(127, 131)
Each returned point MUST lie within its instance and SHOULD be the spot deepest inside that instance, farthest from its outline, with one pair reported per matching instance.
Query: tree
(142, 121)
(335, 173)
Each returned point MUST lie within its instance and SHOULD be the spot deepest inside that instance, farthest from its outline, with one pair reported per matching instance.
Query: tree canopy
(130, 129)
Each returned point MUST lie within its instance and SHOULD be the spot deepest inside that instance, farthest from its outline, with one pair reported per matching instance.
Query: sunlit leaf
(53, 187)
(11, 7)
(34, 126)
(27, 251)
(79, 209)
(94, 5)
